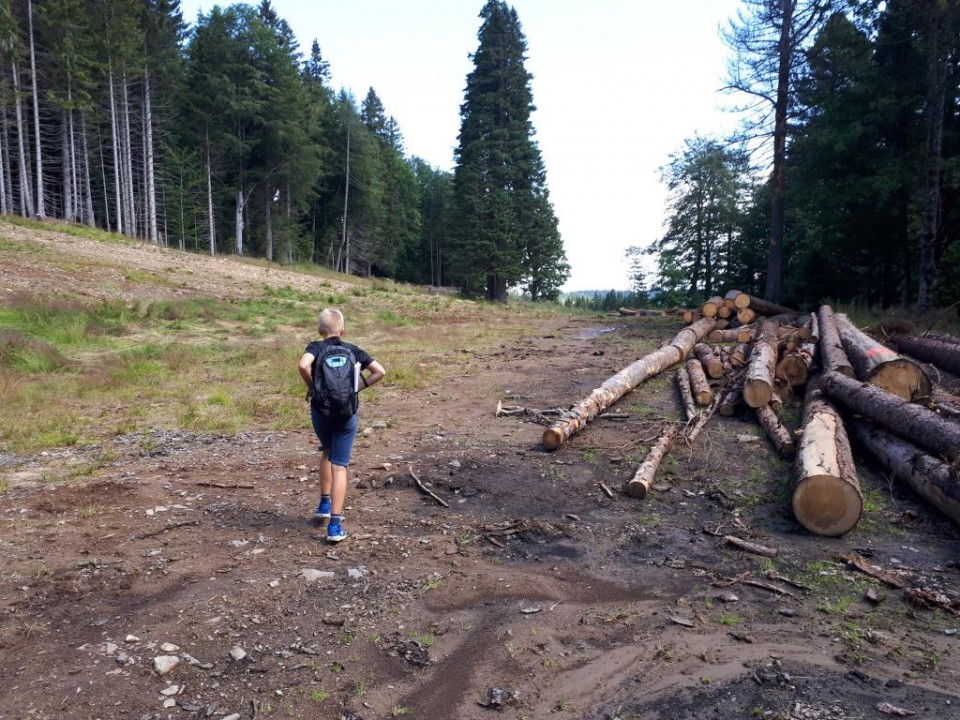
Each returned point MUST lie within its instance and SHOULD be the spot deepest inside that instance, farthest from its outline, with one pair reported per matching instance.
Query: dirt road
(533, 595)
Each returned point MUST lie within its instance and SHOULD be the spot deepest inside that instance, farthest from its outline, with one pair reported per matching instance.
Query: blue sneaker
(323, 509)
(336, 533)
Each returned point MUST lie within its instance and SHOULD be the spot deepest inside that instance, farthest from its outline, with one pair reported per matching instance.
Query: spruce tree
(506, 229)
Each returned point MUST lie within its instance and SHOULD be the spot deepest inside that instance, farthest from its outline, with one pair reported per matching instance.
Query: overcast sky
(618, 85)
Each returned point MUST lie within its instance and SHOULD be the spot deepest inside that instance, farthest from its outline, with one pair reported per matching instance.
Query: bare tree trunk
(151, 183)
(88, 216)
(128, 162)
(7, 174)
(933, 110)
(269, 222)
(26, 179)
(210, 218)
(4, 165)
(117, 164)
(41, 207)
(345, 242)
(241, 202)
(67, 177)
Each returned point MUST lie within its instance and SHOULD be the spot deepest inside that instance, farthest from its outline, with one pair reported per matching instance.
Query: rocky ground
(186, 580)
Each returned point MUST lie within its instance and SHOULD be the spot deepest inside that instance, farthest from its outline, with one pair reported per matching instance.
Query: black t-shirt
(316, 348)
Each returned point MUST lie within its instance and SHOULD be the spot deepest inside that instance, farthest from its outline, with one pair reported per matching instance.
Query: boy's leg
(326, 473)
(326, 477)
(338, 492)
(340, 449)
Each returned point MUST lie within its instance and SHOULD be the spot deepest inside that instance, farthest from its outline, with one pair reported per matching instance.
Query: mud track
(534, 595)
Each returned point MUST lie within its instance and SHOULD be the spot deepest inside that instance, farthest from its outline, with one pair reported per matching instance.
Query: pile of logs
(742, 354)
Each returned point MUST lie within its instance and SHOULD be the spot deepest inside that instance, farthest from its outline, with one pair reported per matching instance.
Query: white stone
(132, 638)
(164, 664)
(239, 543)
(274, 583)
(169, 703)
(234, 716)
(237, 653)
(311, 575)
(170, 690)
(169, 647)
(110, 648)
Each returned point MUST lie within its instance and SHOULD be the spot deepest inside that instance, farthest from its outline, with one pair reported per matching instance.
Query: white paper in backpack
(356, 377)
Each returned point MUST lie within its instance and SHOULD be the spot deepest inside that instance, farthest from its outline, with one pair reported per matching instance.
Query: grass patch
(75, 230)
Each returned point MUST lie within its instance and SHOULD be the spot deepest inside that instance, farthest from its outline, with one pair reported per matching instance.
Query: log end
(757, 393)
(637, 489)
(903, 378)
(704, 398)
(552, 439)
(827, 505)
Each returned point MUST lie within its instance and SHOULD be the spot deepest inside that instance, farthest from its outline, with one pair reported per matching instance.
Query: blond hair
(330, 322)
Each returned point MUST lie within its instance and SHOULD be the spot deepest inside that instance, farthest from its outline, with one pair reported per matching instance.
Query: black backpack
(334, 383)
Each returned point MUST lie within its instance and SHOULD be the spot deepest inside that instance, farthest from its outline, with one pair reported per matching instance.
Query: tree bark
(778, 433)
(711, 363)
(152, 231)
(682, 379)
(624, 381)
(698, 383)
(832, 356)
(826, 492)
(210, 217)
(41, 205)
(88, 216)
(8, 206)
(766, 307)
(127, 145)
(733, 396)
(910, 421)
(691, 316)
(639, 485)
(758, 388)
(878, 365)
(741, 355)
(117, 164)
(942, 337)
(67, 180)
(26, 178)
(943, 355)
(932, 479)
(268, 220)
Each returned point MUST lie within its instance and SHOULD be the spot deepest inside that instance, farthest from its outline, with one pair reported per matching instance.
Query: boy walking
(333, 371)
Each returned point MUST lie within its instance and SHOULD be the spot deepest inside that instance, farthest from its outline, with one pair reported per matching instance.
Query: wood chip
(606, 490)
(681, 621)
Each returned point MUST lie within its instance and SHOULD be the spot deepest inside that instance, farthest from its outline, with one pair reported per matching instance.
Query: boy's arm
(305, 366)
(376, 374)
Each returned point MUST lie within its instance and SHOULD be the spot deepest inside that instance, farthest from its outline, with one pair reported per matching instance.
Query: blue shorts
(335, 439)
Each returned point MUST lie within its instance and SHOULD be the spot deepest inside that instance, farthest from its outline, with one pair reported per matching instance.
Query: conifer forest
(224, 136)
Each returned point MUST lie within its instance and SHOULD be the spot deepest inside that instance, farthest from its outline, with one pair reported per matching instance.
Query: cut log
(691, 316)
(746, 316)
(738, 299)
(741, 334)
(639, 485)
(702, 393)
(932, 479)
(910, 421)
(943, 355)
(879, 365)
(814, 329)
(832, 356)
(779, 434)
(942, 337)
(732, 397)
(794, 367)
(725, 360)
(758, 387)
(624, 381)
(640, 312)
(762, 307)
(725, 312)
(682, 379)
(711, 307)
(711, 363)
(826, 492)
(740, 355)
